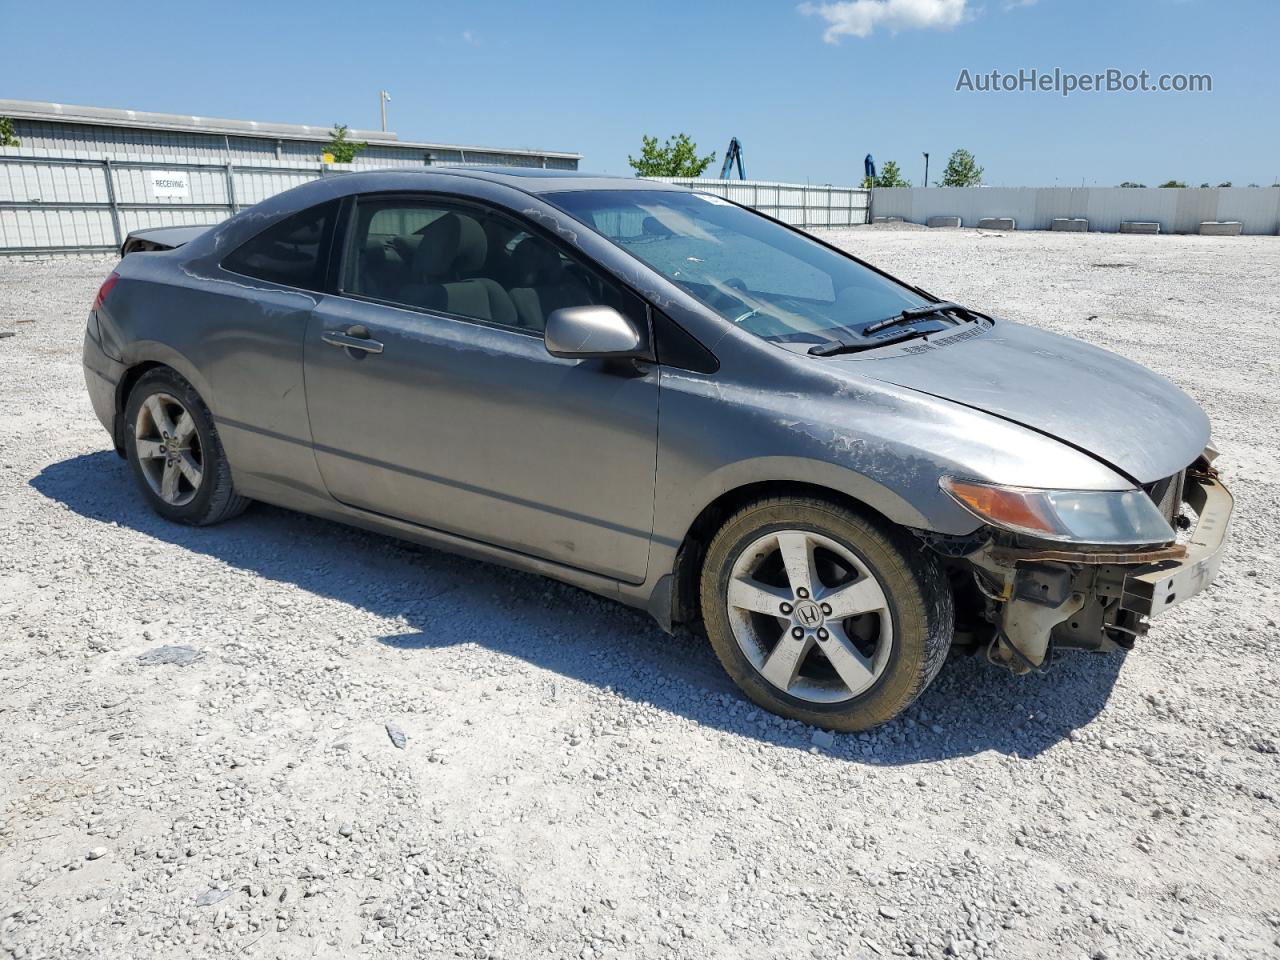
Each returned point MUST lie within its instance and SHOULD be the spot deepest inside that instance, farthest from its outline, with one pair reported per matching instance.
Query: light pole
(383, 99)
(926, 169)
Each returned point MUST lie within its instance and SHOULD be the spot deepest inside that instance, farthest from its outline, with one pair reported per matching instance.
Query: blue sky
(808, 88)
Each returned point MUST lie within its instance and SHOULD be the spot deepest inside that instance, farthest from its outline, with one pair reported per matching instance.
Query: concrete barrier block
(886, 220)
(1139, 226)
(1221, 228)
(943, 221)
(1070, 224)
(997, 223)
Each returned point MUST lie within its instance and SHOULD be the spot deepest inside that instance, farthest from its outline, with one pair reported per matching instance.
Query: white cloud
(470, 38)
(859, 18)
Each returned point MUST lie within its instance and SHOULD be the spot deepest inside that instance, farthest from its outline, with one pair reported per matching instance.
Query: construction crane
(731, 156)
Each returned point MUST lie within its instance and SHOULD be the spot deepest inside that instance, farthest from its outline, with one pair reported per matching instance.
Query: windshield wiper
(832, 347)
(868, 342)
(915, 313)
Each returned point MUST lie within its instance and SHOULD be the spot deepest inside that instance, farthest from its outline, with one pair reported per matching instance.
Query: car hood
(1120, 412)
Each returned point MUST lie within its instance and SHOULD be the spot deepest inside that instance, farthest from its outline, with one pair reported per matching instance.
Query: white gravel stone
(398, 738)
(992, 816)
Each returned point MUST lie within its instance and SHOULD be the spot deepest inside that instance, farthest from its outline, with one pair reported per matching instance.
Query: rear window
(293, 252)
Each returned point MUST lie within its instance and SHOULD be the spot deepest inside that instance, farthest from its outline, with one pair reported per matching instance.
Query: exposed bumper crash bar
(1151, 589)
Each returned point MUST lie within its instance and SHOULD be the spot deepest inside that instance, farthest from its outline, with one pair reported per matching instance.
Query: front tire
(822, 615)
(174, 452)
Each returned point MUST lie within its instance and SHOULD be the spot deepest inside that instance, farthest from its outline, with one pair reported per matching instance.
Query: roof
(179, 123)
(537, 180)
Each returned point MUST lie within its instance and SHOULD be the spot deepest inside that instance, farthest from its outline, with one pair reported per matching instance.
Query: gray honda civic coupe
(668, 399)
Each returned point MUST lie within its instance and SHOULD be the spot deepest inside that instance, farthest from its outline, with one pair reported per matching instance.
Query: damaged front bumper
(1094, 600)
(1153, 588)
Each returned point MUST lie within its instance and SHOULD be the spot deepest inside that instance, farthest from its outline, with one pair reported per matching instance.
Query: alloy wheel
(810, 616)
(169, 450)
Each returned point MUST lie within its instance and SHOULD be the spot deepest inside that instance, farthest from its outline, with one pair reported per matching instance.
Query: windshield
(771, 281)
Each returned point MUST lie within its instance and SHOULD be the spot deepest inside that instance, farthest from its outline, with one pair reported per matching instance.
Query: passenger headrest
(452, 245)
(435, 253)
(534, 263)
(473, 246)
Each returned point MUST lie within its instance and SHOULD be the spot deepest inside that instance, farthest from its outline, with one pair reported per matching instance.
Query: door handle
(354, 338)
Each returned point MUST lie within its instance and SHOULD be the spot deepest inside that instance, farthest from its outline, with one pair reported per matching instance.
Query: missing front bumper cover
(1151, 589)
(1097, 600)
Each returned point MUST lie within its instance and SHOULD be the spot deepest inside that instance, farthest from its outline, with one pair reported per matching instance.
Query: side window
(468, 262)
(293, 252)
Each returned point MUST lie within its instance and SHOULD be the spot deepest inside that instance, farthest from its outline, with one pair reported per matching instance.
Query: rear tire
(174, 452)
(823, 615)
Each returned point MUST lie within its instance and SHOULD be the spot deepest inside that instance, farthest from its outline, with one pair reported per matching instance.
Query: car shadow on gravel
(446, 600)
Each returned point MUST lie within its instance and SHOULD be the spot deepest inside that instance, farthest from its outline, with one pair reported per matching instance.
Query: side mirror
(597, 332)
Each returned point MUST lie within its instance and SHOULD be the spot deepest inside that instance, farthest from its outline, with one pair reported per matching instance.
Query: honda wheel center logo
(808, 614)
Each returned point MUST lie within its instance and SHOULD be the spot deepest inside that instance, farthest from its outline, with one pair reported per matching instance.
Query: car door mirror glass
(594, 331)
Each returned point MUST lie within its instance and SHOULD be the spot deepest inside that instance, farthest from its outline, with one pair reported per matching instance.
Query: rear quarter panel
(239, 343)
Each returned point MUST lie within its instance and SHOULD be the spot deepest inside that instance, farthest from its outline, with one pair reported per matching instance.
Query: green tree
(962, 170)
(340, 148)
(678, 157)
(1130, 183)
(1173, 183)
(889, 176)
(8, 138)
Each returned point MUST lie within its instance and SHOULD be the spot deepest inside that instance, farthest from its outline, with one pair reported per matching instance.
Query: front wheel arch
(846, 672)
(692, 553)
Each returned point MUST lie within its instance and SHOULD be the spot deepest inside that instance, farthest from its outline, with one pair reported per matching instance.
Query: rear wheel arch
(125, 387)
(155, 357)
(164, 411)
(127, 382)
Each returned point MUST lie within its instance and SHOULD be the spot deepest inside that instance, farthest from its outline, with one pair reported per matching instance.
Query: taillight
(105, 289)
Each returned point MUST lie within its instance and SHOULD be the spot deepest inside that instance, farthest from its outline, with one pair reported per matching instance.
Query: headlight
(1127, 517)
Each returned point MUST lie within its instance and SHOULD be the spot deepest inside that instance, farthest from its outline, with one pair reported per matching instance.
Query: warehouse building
(62, 129)
(82, 178)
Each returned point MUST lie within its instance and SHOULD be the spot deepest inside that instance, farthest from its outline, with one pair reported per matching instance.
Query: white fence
(88, 203)
(800, 204)
(1033, 208)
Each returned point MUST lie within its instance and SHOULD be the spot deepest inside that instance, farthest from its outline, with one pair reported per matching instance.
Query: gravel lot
(197, 726)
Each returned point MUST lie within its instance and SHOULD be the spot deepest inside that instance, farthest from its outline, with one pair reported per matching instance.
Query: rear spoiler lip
(161, 238)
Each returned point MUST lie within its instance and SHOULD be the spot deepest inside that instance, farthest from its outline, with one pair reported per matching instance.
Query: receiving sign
(166, 184)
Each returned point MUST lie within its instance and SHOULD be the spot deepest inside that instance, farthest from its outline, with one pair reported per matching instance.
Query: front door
(432, 398)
